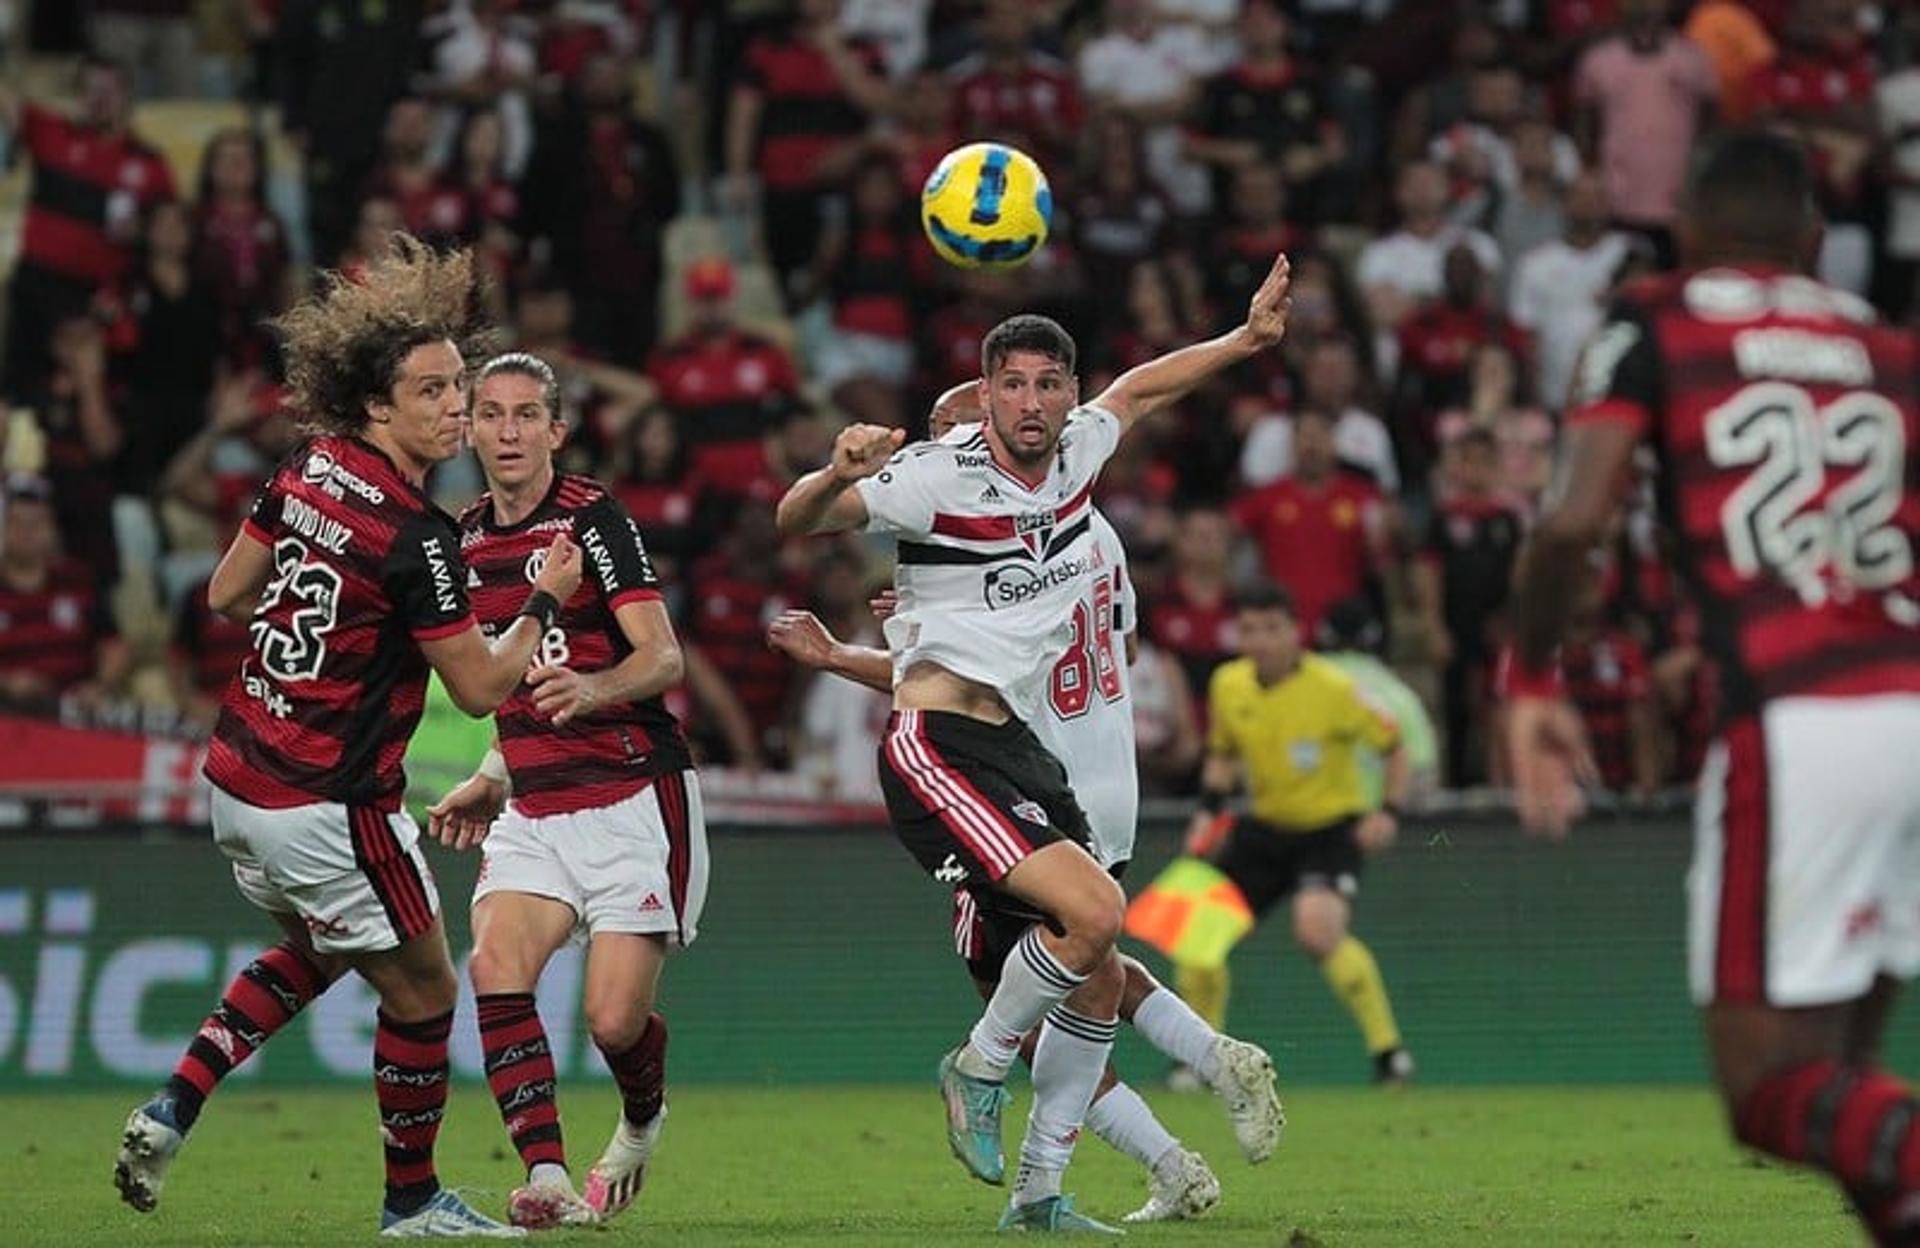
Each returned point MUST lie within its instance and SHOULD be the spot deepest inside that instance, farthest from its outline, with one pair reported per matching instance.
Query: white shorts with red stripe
(352, 874)
(638, 865)
(1805, 883)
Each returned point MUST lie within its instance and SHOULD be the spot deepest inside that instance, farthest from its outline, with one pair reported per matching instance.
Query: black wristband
(543, 607)
(1213, 801)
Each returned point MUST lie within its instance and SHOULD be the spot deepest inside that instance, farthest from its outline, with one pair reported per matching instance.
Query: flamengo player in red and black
(354, 587)
(603, 838)
(1784, 422)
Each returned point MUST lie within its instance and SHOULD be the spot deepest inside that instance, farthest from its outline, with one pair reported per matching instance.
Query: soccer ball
(986, 205)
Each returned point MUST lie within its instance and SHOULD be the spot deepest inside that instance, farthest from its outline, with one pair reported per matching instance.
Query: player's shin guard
(1032, 982)
(410, 1080)
(1857, 1123)
(641, 1072)
(260, 1001)
(1067, 1066)
(520, 1071)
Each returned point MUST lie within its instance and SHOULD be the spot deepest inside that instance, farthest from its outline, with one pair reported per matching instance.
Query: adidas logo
(651, 904)
(990, 494)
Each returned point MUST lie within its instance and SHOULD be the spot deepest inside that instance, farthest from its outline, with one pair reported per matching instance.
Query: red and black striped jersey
(1784, 422)
(1606, 676)
(618, 750)
(87, 184)
(364, 569)
(54, 632)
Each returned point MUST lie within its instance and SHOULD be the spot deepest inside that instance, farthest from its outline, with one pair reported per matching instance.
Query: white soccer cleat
(544, 1206)
(1244, 1081)
(1179, 1191)
(446, 1216)
(622, 1170)
(147, 1148)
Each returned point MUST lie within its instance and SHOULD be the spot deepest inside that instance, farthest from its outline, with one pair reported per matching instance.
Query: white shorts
(1805, 883)
(639, 865)
(353, 874)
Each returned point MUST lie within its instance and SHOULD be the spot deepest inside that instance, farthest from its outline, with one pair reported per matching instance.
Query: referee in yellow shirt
(1289, 724)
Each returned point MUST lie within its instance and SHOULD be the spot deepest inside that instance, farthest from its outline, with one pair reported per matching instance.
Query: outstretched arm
(1145, 389)
(803, 638)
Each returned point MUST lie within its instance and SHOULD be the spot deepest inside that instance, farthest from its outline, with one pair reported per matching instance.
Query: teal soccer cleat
(973, 1120)
(1054, 1215)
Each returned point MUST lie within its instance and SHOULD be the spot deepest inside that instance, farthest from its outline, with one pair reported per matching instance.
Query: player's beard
(1019, 451)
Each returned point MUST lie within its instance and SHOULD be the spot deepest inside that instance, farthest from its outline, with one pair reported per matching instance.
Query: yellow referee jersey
(1297, 740)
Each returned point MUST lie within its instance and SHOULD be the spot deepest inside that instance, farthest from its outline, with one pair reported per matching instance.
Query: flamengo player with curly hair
(352, 586)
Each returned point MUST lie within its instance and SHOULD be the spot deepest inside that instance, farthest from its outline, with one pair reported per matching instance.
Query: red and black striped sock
(641, 1072)
(261, 999)
(410, 1080)
(1857, 1123)
(520, 1072)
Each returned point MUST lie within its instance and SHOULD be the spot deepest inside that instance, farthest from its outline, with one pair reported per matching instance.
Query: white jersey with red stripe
(991, 570)
(1086, 720)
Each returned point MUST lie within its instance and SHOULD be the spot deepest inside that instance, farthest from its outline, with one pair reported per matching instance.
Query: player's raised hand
(801, 637)
(460, 820)
(862, 450)
(1547, 746)
(1267, 310)
(884, 604)
(562, 694)
(560, 573)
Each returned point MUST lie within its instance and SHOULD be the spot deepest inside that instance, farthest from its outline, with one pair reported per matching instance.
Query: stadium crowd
(705, 216)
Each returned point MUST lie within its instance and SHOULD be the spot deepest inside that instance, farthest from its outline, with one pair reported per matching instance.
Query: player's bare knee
(493, 971)
(617, 1025)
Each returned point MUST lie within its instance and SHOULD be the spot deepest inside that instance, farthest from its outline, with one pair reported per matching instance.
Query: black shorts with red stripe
(970, 799)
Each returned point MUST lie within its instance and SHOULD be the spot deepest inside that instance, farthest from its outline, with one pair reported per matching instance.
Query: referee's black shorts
(1268, 863)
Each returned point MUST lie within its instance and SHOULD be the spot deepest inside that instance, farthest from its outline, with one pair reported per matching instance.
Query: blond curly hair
(345, 344)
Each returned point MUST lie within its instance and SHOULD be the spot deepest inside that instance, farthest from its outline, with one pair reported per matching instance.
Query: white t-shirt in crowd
(1359, 438)
(1559, 295)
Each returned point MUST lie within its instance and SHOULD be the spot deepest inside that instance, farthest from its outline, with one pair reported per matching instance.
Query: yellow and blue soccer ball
(986, 205)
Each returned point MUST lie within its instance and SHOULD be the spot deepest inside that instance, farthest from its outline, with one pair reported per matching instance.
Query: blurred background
(705, 216)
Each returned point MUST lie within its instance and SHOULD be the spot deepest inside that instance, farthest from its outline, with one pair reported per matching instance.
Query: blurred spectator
(166, 337)
(1607, 681)
(659, 491)
(240, 248)
(1437, 345)
(1444, 101)
(84, 437)
(599, 192)
(897, 27)
(1737, 45)
(1460, 590)
(1330, 384)
(1191, 618)
(1166, 725)
(203, 653)
(1352, 638)
(736, 592)
(1236, 258)
(802, 91)
(713, 716)
(1529, 211)
(208, 488)
(1560, 287)
(326, 46)
(1643, 95)
(1396, 272)
(1119, 219)
(1149, 71)
(92, 179)
(873, 264)
(1321, 532)
(1820, 89)
(481, 57)
(490, 216)
(799, 442)
(605, 396)
(375, 222)
(1011, 92)
(728, 385)
(841, 721)
(431, 209)
(950, 341)
(1265, 111)
(1687, 690)
(922, 132)
(1899, 109)
(57, 638)
(154, 39)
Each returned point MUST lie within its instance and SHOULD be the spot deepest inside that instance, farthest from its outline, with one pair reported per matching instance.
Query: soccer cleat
(147, 1148)
(543, 1206)
(1244, 1079)
(1393, 1068)
(1183, 1189)
(1053, 1214)
(446, 1216)
(622, 1170)
(973, 1120)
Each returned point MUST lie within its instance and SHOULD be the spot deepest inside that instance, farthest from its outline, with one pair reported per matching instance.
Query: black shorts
(970, 799)
(1268, 864)
(984, 936)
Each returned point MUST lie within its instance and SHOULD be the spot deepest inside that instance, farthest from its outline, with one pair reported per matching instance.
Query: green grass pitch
(861, 1165)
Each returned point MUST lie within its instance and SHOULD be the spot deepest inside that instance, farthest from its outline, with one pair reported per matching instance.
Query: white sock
(549, 1174)
(1123, 1120)
(1031, 982)
(1067, 1066)
(1170, 1025)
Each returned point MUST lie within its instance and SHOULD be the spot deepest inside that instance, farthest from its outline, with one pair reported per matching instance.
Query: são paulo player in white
(1087, 724)
(995, 553)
